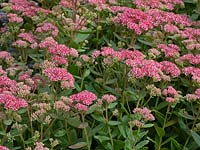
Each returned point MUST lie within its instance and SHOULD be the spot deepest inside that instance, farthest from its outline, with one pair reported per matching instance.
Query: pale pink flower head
(48, 28)
(96, 53)
(145, 112)
(108, 98)
(85, 58)
(27, 36)
(197, 92)
(84, 97)
(14, 18)
(20, 44)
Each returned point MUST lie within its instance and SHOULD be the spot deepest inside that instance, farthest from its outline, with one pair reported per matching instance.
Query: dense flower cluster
(59, 74)
(83, 99)
(166, 4)
(170, 50)
(47, 27)
(28, 8)
(14, 18)
(12, 102)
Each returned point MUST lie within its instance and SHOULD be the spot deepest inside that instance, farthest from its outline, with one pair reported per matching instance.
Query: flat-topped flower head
(58, 74)
(84, 97)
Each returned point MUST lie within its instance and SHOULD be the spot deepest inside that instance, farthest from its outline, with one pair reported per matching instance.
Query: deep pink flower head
(170, 50)
(84, 97)
(170, 91)
(170, 99)
(58, 74)
(170, 68)
(3, 148)
(47, 27)
(12, 102)
(135, 19)
(63, 50)
(195, 72)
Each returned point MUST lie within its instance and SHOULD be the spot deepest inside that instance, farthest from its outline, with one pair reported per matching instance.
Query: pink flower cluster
(6, 84)
(167, 4)
(145, 112)
(170, 68)
(3, 148)
(195, 72)
(193, 97)
(28, 8)
(67, 4)
(109, 98)
(14, 18)
(193, 59)
(171, 94)
(12, 102)
(62, 50)
(83, 99)
(135, 19)
(170, 50)
(47, 27)
(59, 74)
(4, 55)
(27, 36)
(170, 28)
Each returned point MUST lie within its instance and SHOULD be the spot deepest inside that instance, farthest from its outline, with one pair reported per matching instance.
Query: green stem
(85, 131)
(109, 130)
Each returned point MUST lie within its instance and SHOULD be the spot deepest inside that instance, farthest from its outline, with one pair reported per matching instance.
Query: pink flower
(170, 91)
(12, 102)
(3, 148)
(170, 50)
(58, 74)
(48, 42)
(14, 18)
(84, 97)
(145, 112)
(108, 98)
(170, 68)
(47, 27)
(170, 99)
(171, 28)
(60, 60)
(63, 50)
(20, 43)
(81, 107)
(27, 36)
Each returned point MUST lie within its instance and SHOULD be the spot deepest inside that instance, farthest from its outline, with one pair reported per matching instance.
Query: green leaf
(160, 131)
(196, 137)
(101, 138)
(122, 130)
(7, 122)
(81, 37)
(60, 133)
(92, 109)
(149, 125)
(145, 42)
(141, 144)
(114, 123)
(112, 105)
(78, 145)
(74, 122)
(171, 122)
(86, 73)
(98, 117)
(183, 113)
